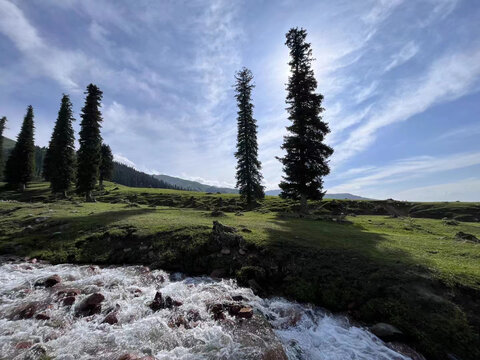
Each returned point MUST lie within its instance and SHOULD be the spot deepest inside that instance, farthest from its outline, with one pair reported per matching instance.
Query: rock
(52, 281)
(238, 298)
(69, 301)
(160, 303)
(241, 252)
(193, 315)
(128, 357)
(90, 306)
(386, 332)
(69, 292)
(245, 313)
(23, 345)
(217, 311)
(25, 311)
(111, 318)
(405, 350)
(225, 251)
(276, 353)
(37, 352)
(49, 282)
(42, 317)
(218, 273)
(179, 321)
(217, 213)
(450, 222)
(466, 237)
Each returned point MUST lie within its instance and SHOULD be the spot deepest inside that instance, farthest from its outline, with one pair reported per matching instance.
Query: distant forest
(122, 174)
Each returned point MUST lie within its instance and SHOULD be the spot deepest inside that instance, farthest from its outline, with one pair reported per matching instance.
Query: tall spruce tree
(248, 166)
(106, 164)
(305, 162)
(3, 122)
(20, 165)
(59, 162)
(88, 157)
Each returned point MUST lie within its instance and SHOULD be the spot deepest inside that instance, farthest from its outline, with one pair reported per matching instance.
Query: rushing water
(304, 332)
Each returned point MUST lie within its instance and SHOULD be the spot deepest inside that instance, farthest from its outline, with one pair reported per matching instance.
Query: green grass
(411, 272)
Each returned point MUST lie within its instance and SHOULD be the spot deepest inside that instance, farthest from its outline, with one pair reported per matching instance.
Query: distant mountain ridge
(197, 186)
(194, 185)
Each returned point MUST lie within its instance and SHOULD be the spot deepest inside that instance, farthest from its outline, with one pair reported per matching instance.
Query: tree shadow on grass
(343, 267)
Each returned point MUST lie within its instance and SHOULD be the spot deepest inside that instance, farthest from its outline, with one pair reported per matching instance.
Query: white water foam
(305, 332)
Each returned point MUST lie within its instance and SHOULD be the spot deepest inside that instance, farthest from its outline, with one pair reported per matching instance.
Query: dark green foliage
(59, 163)
(248, 167)
(305, 162)
(3, 121)
(106, 164)
(128, 176)
(20, 166)
(90, 142)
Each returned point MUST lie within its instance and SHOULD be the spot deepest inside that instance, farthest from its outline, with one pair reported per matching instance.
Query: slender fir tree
(3, 121)
(106, 164)
(88, 157)
(305, 162)
(20, 165)
(59, 162)
(248, 166)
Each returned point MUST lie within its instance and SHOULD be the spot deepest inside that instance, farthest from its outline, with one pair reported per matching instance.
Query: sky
(401, 81)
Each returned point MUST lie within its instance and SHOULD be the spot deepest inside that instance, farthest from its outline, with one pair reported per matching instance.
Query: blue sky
(401, 81)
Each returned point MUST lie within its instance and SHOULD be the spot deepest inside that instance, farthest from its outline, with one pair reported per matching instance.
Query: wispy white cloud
(449, 78)
(405, 169)
(463, 190)
(41, 57)
(406, 53)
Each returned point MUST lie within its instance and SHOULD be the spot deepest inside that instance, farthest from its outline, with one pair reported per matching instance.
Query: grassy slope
(409, 272)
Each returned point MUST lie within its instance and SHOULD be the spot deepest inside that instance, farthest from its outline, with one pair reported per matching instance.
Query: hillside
(194, 185)
(197, 186)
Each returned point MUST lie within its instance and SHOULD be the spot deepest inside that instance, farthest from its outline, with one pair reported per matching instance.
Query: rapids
(305, 332)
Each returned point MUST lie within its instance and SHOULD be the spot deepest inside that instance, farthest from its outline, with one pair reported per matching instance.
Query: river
(185, 330)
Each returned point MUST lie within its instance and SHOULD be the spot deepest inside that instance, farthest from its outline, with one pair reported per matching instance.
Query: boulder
(111, 318)
(42, 317)
(36, 352)
(25, 311)
(159, 302)
(69, 301)
(50, 281)
(386, 332)
(23, 345)
(68, 292)
(245, 313)
(91, 305)
(466, 237)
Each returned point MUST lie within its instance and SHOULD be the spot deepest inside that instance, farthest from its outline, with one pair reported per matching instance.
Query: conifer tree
(88, 157)
(20, 165)
(305, 162)
(106, 164)
(3, 121)
(248, 166)
(59, 162)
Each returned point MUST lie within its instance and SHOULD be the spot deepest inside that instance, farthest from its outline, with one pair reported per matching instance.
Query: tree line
(305, 162)
(62, 166)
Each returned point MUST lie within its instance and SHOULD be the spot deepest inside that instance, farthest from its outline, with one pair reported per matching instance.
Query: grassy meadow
(410, 271)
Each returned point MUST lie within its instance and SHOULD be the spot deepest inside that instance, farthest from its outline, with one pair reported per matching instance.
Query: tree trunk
(303, 204)
(21, 187)
(64, 194)
(89, 197)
